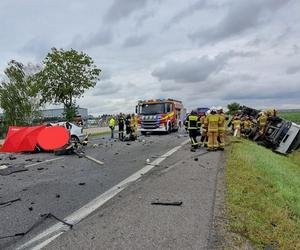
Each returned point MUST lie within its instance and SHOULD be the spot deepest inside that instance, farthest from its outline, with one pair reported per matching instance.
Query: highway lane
(67, 183)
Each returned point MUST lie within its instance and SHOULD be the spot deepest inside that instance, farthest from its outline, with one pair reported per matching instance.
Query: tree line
(62, 77)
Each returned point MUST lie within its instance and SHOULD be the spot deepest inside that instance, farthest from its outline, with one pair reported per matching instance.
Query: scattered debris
(196, 159)
(81, 183)
(40, 168)
(7, 203)
(43, 217)
(93, 159)
(167, 203)
(12, 170)
(11, 157)
(3, 167)
(148, 161)
(30, 159)
(30, 209)
(57, 196)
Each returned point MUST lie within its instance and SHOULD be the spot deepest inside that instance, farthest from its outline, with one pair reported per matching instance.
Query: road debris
(81, 183)
(166, 203)
(11, 157)
(93, 159)
(57, 196)
(3, 167)
(11, 170)
(40, 168)
(40, 220)
(9, 202)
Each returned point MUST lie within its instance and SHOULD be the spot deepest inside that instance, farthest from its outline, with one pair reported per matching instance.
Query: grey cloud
(37, 46)
(102, 37)
(190, 10)
(121, 9)
(134, 41)
(142, 18)
(293, 70)
(242, 16)
(106, 88)
(195, 69)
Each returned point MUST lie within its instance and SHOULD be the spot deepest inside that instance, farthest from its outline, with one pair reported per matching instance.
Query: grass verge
(292, 116)
(263, 195)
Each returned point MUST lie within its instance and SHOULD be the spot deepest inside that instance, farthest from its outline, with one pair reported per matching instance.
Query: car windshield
(153, 109)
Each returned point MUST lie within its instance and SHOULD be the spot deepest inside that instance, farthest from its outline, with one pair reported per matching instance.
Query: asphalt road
(62, 184)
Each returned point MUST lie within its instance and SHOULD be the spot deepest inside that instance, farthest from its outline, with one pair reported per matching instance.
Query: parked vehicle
(160, 115)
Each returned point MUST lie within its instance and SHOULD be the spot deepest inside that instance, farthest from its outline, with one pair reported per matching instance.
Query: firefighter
(203, 140)
(247, 126)
(236, 126)
(212, 121)
(112, 124)
(221, 128)
(133, 125)
(192, 122)
(262, 122)
(128, 126)
(121, 124)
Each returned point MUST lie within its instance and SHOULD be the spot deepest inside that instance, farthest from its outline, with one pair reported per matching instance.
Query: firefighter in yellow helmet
(192, 122)
(236, 126)
(262, 122)
(221, 128)
(212, 121)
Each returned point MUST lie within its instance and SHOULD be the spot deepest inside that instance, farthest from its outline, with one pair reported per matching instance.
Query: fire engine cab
(160, 115)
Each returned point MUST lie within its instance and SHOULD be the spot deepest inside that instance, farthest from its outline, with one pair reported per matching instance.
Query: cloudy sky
(205, 52)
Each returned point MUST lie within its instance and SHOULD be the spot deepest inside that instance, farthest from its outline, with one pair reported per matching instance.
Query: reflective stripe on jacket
(193, 121)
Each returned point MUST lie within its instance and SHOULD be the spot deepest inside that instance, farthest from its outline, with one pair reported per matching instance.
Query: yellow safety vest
(193, 122)
(213, 122)
(222, 123)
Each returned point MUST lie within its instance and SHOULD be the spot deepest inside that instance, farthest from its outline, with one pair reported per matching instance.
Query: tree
(65, 77)
(19, 93)
(233, 107)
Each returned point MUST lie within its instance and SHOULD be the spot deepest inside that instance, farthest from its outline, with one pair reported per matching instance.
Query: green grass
(292, 116)
(263, 195)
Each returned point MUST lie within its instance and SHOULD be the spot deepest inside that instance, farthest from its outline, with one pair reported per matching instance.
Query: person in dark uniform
(121, 124)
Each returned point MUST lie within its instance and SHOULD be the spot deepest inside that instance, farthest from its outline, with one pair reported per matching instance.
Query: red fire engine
(160, 115)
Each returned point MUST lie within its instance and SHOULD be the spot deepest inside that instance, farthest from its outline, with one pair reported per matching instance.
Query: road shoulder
(130, 221)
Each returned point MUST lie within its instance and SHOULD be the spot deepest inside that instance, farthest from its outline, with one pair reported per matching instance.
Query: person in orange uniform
(212, 121)
(221, 128)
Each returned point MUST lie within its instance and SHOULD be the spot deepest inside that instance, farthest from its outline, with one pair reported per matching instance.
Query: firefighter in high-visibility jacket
(192, 122)
(221, 128)
(262, 122)
(203, 140)
(212, 121)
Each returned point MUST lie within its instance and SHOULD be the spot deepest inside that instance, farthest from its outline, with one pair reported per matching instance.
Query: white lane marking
(50, 160)
(52, 232)
(46, 242)
(93, 159)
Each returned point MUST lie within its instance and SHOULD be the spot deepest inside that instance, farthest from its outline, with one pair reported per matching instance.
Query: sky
(205, 53)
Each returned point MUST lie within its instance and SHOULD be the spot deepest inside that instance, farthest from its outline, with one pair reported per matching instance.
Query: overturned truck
(281, 135)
